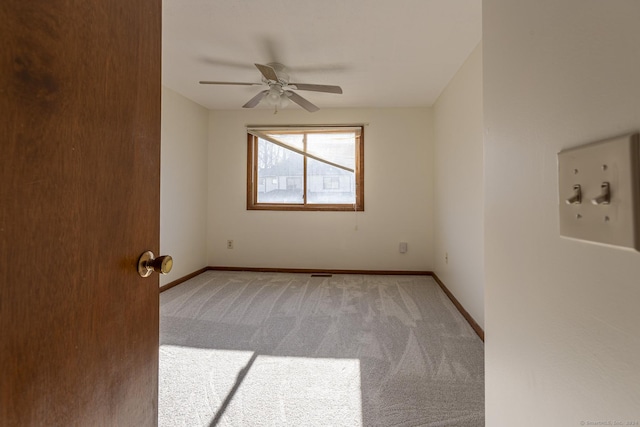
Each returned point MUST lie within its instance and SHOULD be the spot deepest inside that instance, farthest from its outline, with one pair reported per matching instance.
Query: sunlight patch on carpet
(274, 390)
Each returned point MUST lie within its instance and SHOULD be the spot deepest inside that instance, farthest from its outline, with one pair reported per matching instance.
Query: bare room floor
(279, 349)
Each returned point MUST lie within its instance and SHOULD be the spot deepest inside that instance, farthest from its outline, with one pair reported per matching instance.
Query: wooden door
(79, 202)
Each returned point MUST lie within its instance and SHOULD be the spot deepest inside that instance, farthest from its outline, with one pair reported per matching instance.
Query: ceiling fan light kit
(280, 90)
(277, 98)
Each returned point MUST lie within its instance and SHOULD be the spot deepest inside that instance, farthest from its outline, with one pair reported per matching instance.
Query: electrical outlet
(229, 244)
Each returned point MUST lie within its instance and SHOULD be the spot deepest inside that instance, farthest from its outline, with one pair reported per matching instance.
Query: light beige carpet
(273, 349)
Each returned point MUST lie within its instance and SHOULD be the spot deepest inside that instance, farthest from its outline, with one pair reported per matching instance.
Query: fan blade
(301, 101)
(255, 100)
(268, 72)
(206, 82)
(317, 88)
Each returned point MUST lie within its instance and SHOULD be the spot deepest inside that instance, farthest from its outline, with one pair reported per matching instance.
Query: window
(331, 183)
(306, 168)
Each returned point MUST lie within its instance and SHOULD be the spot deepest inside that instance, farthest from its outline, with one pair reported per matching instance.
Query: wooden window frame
(252, 178)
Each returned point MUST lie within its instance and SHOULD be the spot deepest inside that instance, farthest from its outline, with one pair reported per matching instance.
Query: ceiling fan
(280, 89)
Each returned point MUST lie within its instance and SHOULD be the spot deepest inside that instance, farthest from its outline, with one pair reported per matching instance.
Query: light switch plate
(616, 162)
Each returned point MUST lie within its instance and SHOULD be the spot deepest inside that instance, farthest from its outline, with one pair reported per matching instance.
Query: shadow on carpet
(274, 349)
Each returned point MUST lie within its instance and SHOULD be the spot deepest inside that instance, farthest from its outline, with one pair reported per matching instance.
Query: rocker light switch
(599, 192)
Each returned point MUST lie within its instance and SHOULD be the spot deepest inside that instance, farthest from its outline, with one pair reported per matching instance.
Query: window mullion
(304, 172)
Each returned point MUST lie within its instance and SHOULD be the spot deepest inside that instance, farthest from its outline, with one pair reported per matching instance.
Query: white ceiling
(383, 53)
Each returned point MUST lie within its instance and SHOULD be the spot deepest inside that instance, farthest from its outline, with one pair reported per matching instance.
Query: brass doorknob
(147, 264)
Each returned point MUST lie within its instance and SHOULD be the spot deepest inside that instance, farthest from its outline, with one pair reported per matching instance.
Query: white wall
(398, 197)
(459, 195)
(183, 184)
(562, 316)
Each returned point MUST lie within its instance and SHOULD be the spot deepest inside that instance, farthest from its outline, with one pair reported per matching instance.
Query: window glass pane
(296, 140)
(328, 184)
(280, 174)
(339, 148)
